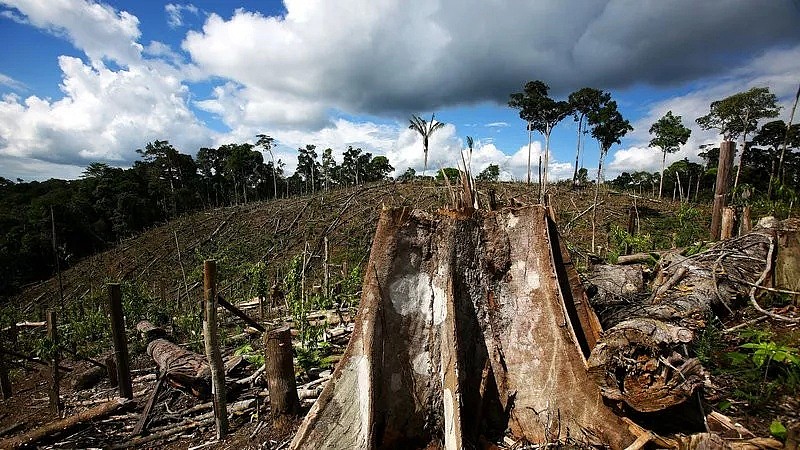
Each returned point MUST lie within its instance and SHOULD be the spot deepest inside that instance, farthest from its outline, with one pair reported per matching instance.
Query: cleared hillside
(274, 232)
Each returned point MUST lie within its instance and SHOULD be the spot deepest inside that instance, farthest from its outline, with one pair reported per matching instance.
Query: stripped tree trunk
(468, 326)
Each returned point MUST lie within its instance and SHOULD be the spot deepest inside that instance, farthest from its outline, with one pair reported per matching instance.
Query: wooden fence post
(120, 339)
(720, 195)
(212, 347)
(279, 372)
(52, 335)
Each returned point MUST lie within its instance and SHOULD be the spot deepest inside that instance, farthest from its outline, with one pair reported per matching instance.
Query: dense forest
(108, 203)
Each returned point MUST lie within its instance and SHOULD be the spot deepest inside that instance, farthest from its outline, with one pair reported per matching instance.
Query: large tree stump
(182, 368)
(468, 326)
(279, 372)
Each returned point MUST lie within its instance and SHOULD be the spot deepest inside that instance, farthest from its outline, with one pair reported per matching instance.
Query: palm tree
(266, 142)
(425, 129)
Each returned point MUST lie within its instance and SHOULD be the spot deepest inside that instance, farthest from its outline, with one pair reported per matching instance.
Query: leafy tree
(425, 129)
(583, 177)
(583, 102)
(491, 173)
(640, 179)
(350, 169)
(241, 165)
(738, 115)
(408, 175)
(378, 168)
(470, 145)
(608, 127)
(542, 113)
(452, 174)
(670, 134)
(307, 165)
(266, 142)
(772, 135)
(329, 167)
(161, 159)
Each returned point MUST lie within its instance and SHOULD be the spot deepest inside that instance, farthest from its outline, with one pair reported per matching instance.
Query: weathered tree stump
(469, 325)
(279, 372)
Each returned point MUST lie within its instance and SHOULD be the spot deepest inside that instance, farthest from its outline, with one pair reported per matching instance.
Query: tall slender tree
(266, 142)
(582, 102)
(608, 127)
(738, 115)
(425, 129)
(670, 134)
(542, 114)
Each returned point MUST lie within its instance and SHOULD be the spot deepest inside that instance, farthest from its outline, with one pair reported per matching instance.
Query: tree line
(109, 203)
(763, 160)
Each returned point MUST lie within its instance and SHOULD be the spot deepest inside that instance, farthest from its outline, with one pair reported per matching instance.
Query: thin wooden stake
(280, 372)
(326, 270)
(212, 348)
(57, 259)
(120, 339)
(55, 379)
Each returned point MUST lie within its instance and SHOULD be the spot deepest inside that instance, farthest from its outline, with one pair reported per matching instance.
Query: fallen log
(644, 355)
(52, 429)
(638, 258)
(182, 368)
(636, 362)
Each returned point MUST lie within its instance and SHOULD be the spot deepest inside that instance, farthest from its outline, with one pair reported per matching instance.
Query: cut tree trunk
(182, 368)
(279, 372)
(465, 329)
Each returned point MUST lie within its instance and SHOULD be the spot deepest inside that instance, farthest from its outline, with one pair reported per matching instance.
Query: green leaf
(751, 345)
(777, 429)
(724, 405)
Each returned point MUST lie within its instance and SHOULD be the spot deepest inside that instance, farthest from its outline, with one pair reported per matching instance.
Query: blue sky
(84, 81)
